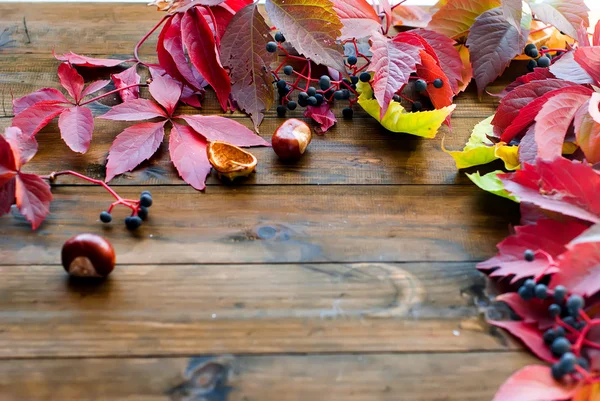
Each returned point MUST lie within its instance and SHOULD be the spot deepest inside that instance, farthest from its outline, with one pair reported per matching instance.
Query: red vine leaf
(570, 70)
(358, 17)
(165, 90)
(322, 115)
(392, 62)
(33, 198)
(94, 87)
(567, 187)
(243, 51)
(538, 74)
(132, 146)
(589, 59)
(530, 312)
(36, 117)
(535, 383)
(493, 43)
(554, 120)
(225, 12)
(429, 70)
(188, 154)
(76, 128)
(71, 81)
(588, 134)
(126, 78)
(565, 15)
(134, 110)
(311, 27)
(531, 336)
(48, 95)
(217, 128)
(83, 61)
(202, 49)
(455, 18)
(23, 147)
(7, 196)
(448, 57)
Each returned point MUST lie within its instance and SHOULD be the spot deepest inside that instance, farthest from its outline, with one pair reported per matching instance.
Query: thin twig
(26, 31)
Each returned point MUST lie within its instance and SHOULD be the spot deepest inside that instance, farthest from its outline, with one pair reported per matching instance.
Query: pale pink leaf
(33, 198)
(36, 117)
(134, 110)
(188, 154)
(71, 80)
(94, 87)
(512, 11)
(565, 15)
(76, 128)
(83, 61)
(217, 128)
(166, 91)
(589, 59)
(47, 95)
(358, 17)
(534, 383)
(570, 70)
(126, 78)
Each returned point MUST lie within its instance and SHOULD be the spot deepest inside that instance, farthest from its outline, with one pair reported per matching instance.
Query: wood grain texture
(275, 224)
(387, 377)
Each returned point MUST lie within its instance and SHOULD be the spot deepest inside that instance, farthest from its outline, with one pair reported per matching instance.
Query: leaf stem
(109, 93)
(141, 42)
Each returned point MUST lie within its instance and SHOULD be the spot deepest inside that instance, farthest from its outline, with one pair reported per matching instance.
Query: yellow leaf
(509, 155)
(397, 119)
(491, 183)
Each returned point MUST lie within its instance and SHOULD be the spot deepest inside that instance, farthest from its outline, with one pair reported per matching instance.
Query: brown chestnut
(88, 255)
(291, 139)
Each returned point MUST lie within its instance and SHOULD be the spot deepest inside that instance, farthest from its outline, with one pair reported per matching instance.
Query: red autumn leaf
(7, 196)
(580, 265)
(531, 311)
(188, 154)
(412, 38)
(36, 117)
(83, 61)
(567, 187)
(587, 131)
(392, 62)
(596, 37)
(165, 90)
(134, 110)
(538, 74)
(224, 13)
(126, 78)
(565, 15)
(322, 115)
(359, 18)
(387, 11)
(48, 95)
(554, 120)
(513, 11)
(493, 43)
(413, 16)
(192, 97)
(535, 383)
(132, 146)
(76, 128)
(527, 114)
(550, 236)
(311, 27)
(589, 59)
(71, 81)
(529, 334)
(570, 70)
(23, 147)
(202, 49)
(528, 147)
(449, 58)
(33, 198)
(244, 53)
(594, 107)
(455, 18)
(8, 161)
(429, 70)
(511, 104)
(217, 128)
(94, 87)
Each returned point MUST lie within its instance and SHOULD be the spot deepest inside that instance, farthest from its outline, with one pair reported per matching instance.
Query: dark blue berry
(543, 62)
(281, 110)
(346, 81)
(279, 37)
(311, 91)
(312, 101)
(560, 331)
(560, 346)
(567, 362)
(324, 82)
(292, 105)
(579, 325)
(320, 98)
(348, 113)
(529, 255)
(541, 291)
(570, 321)
(271, 47)
(420, 85)
(544, 48)
(396, 98)
(353, 79)
(133, 222)
(338, 95)
(143, 212)
(438, 83)
(288, 70)
(529, 49)
(352, 60)
(281, 84)
(529, 284)
(146, 200)
(574, 304)
(560, 292)
(549, 336)
(302, 95)
(146, 193)
(365, 77)
(525, 293)
(554, 310)
(303, 102)
(284, 91)
(557, 372)
(531, 65)
(417, 106)
(105, 217)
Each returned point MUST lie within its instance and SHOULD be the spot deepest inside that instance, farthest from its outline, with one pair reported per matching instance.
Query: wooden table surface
(348, 276)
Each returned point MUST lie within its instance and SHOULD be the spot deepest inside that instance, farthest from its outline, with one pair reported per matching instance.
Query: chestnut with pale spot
(291, 139)
(88, 255)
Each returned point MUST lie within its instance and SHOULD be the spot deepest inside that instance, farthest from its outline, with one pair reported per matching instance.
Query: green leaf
(491, 183)
(424, 123)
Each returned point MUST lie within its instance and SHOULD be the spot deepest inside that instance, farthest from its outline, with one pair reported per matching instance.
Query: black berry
(352, 60)
(354, 79)
(320, 98)
(529, 284)
(348, 113)
(525, 293)
(146, 193)
(560, 346)
(133, 222)
(312, 101)
(544, 48)
(531, 65)
(567, 362)
(281, 110)
(574, 304)
(365, 77)
(279, 37)
(541, 291)
(288, 70)
(396, 98)
(529, 50)
(560, 292)
(143, 212)
(560, 331)
(417, 106)
(292, 105)
(420, 85)
(557, 372)
(281, 84)
(271, 47)
(312, 91)
(105, 217)
(338, 95)
(529, 255)
(549, 336)
(570, 321)
(146, 200)
(543, 62)
(324, 82)
(438, 83)
(554, 310)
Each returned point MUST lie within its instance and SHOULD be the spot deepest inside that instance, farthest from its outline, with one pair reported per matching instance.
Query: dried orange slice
(230, 161)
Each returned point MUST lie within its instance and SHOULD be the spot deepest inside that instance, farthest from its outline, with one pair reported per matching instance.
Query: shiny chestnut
(88, 255)
(291, 139)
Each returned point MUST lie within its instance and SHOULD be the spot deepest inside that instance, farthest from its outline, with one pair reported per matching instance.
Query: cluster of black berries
(543, 61)
(568, 309)
(133, 222)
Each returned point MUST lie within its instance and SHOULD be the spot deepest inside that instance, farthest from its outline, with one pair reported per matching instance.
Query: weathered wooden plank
(386, 377)
(276, 224)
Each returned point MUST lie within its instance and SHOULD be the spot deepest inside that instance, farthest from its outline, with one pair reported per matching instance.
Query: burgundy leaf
(224, 13)
(565, 15)
(7, 196)
(126, 78)
(76, 128)
(33, 198)
(392, 62)
(567, 187)
(568, 69)
(36, 117)
(94, 87)
(244, 53)
(23, 146)
(132, 146)
(71, 80)
(47, 95)
(311, 27)
(134, 110)
(166, 91)
(589, 59)
(8, 162)
(322, 115)
(358, 17)
(531, 337)
(538, 74)
(217, 128)
(412, 38)
(528, 147)
(188, 154)
(554, 120)
(535, 383)
(83, 61)
(493, 43)
(192, 97)
(200, 42)
(448, 56)
(531, 311)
